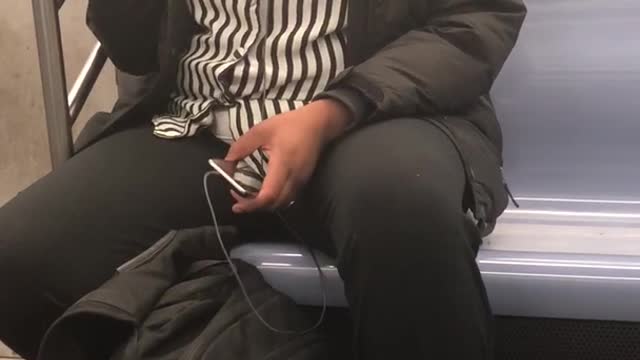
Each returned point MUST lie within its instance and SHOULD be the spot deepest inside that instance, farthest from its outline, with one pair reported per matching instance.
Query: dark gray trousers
(386, 200)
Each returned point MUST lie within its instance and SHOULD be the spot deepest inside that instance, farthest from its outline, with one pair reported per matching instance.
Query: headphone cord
(234, 270)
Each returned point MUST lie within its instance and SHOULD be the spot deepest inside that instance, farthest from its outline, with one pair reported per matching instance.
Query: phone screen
(226, 169)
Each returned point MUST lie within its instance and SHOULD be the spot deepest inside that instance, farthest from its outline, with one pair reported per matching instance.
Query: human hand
(293, 142)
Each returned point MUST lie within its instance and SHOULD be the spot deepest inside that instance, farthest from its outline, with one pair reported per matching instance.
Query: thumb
(245, 145)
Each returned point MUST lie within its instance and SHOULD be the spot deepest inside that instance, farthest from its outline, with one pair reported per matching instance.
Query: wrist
(335, 118)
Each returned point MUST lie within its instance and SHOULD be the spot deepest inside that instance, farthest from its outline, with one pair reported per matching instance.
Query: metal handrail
(54, 87)
(86, 80)
(61, 110)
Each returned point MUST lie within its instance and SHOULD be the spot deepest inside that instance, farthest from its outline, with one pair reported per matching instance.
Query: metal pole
(86, 80)
(54, 88)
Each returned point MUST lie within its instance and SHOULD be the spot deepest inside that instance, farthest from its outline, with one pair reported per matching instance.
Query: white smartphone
(226, 169)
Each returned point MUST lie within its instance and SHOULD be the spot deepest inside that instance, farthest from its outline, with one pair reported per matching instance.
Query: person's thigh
(65, 234)
(389, 166)
(390, 197)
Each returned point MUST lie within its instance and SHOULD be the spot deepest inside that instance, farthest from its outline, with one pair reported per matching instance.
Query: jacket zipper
(508, 190)
(479, 212)
(148, 254)
(470, 173)
(469, 168)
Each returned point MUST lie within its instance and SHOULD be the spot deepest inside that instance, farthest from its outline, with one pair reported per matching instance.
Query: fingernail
(237, 209)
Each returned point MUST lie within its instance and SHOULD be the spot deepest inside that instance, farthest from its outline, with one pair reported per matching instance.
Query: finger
(286, 197)
(247, 205)
(237, 197)
(273, 185)
(245, 145)
(240, 203)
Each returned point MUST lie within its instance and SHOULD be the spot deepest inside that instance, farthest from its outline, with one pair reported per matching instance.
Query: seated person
(373, 116)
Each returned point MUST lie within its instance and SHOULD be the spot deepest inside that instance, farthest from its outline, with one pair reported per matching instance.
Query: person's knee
(403, 162)
(413, 213)
(402, 186)
(396, 198)
(411, 230)
(18, 260)
(24, 311)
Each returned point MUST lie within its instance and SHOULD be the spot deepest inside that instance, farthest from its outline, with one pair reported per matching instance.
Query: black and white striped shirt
(252, 60)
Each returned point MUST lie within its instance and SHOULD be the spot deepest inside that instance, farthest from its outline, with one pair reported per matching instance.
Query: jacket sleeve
(443, 66)
(128, 31)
